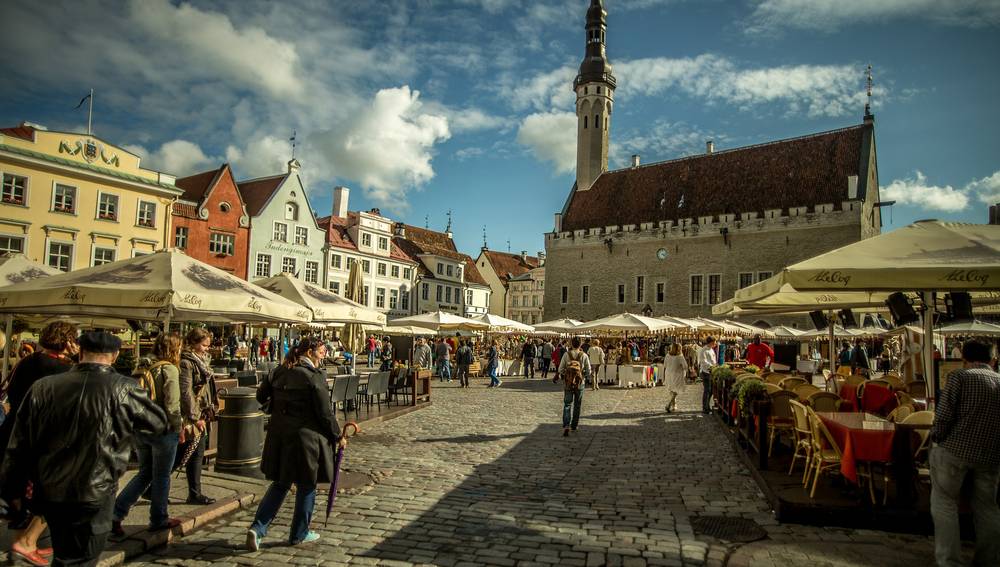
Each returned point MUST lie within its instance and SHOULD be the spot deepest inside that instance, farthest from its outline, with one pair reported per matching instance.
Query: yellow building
(73, 201)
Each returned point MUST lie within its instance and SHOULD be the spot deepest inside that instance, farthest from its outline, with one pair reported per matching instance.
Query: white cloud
(551, 136)
(260, 157)
(829, 15)
(386, 146)
(917, 192)
(467, 119)
(986, 189)
(546, 91)
(663, 140)
(176, 157)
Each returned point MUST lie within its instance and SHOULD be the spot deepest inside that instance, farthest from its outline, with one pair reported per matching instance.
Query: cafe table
(861, 437)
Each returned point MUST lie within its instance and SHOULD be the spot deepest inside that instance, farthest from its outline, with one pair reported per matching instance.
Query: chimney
(852, 186)
(524, 256)
(709, 147)
(340, 197)
(541, 258)
(995, 214)
(635, 160)
(558, 223)
(400, 230)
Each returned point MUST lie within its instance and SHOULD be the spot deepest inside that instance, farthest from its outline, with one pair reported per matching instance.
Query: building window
(280, 232)
(335, 261)
(366, 239)
(404, 301)
(335, 287)
(221, 244)
(291, 212)
(451, 271)
(640, 288)
(12, 244)
(107, 207)
(102, 256)
(263, 266)
(440, 269)
(425, 292)
(395, 271)
(564, 295)
(312, 272)
(697, 289)
(584, 294)
(383, 243)
(181, 237)
(364, 297)
(458, 272)
(14, 189)
(440, 294)
(302, 235)
(288, 265)
(534, 300)
(447, 295)
(714, 288)
(147, 214)
(380, 269)
(393, 299)
(366, 266)
(406, 273)
(380, 298)
(64, 199)
(350, 262)
(761, 276)
(659, 292)
(60, 255)
(746, 279)
(468, 297)
(621, 293)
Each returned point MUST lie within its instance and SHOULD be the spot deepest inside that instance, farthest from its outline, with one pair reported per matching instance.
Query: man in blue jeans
(574, 369)
(706, 362)
(966, 437)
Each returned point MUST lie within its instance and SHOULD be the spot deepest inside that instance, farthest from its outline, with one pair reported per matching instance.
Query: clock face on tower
(661, 254)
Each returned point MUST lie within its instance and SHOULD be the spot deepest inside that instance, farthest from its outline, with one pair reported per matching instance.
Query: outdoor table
(861, 437)
(808, 367)
(638, 374)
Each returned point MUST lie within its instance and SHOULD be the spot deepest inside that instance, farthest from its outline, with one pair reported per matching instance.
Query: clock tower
(594, 86)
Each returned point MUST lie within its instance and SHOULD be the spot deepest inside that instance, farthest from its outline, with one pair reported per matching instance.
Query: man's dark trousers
(706, 396)
(529, 367)
(79, 532)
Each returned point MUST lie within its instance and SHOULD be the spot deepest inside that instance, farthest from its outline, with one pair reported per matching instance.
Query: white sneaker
(253, 541)
(499, 383)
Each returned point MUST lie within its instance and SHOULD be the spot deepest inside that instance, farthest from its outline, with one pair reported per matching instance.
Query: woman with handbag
(302, 438)
(197, 405)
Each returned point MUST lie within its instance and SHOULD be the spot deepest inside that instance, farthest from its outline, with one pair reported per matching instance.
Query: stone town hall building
(679, 236)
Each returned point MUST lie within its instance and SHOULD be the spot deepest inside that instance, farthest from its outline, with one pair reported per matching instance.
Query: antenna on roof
(427, 222)
(448, 228)
(485, 245)
(292, 140)
(868, 103)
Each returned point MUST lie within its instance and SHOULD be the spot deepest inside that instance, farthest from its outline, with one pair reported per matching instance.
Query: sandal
(32, 557)
(45, 552)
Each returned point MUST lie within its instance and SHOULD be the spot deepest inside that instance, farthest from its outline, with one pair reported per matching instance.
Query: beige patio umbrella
(627, 323)
(441, 321)
(15, 269)
(785, 332)
(558, 325)
(970, 329)
(498, 324)
(402, 331)
(354, 333)
(326, 306)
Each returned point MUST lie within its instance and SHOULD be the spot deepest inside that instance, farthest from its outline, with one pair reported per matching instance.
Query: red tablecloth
(856, 442)
(849, 395)
(878, 399)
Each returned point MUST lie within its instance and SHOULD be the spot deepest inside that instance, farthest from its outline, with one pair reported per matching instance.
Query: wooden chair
(805, 390)
(792, 382)
(824, 401)
(844, 370)
(772, 388)
(803, 437)
(474, 369)
(826, 453)
(781, 418)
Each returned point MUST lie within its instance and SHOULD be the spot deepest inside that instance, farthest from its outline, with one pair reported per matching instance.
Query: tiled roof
(22, 131)
(796, 172)
(336, 232)
(472, 274)
(256, 192)
(425, 241)
(195, 186)
(506, 264)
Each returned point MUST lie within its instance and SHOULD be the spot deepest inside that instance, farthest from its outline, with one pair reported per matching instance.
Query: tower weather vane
(292, 140)
(448, 228)
(485, 245)
(868, 102)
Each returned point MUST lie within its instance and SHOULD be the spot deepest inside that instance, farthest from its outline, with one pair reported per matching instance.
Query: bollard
(241, 433)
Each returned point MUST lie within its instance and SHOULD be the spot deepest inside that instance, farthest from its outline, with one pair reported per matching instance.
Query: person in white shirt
(956, 351)
(596, 355)
(675, 370)
(707, 361)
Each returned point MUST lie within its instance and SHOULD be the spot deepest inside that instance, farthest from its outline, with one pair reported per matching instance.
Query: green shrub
(746, 392)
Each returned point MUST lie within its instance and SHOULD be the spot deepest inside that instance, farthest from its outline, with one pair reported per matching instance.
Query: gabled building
(211, 222)
(497, 268)
(446, 279)
(284, 234)
(526, 296)
(74, 200)
(367, 237)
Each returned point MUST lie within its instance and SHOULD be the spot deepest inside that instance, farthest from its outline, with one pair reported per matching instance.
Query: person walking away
(386, 355)
(547, 350)
(464, 358)
(966, 443)
(596, 356)
(557, 355)
(272, 349)
(844, 359)
(493, 365)
(706, 361)
(859, 359)
(574, 369)
(528, 355)
(760, 354)
(302, 438)
(58, 345)
(422, 354)
(254, 351)
(160, 377)
(675, 370)
(72, 440)
(442, 360)
(197, 405)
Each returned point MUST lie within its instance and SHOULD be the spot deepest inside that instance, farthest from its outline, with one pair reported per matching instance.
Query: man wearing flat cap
(72, 440)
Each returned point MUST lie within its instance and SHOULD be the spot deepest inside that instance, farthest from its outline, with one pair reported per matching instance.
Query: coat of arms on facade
(90, 151)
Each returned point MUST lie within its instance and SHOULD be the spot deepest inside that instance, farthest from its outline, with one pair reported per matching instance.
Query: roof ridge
(261, 178)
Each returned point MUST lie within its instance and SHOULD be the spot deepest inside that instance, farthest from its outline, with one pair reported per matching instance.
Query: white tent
(440, 321)
(18, 268)
(500, 324)
(627, 323)
(326, 306)
(404, 331)
(970, 329)
(558, 325)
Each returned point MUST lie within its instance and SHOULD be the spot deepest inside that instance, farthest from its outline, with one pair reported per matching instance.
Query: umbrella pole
(8, 329)
(927, 298)
(833, 343)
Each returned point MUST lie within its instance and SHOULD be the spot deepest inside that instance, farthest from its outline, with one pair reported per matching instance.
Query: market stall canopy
(838, 333)
(627, 323)
(326, 306)
(405, 330)
(500, 324)
(440, 321)
(764, 333)
(18, 268)
(970, 329)
(725, 328)
(692, 324)
(153, 287)
(761, 298)
(785, 332)
(558, 325)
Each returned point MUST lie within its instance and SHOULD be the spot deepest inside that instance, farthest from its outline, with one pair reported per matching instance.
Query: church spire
(595, 87)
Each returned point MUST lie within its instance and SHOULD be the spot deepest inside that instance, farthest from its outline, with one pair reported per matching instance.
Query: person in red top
(760, 354)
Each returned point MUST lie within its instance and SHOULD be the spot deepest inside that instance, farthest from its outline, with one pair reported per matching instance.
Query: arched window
(291, 212)
(597, 121)
(584, 122)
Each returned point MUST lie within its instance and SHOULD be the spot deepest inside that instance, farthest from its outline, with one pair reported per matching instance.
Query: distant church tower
(595, 88)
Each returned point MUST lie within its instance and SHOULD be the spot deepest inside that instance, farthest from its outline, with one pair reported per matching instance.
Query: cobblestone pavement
(485, 477)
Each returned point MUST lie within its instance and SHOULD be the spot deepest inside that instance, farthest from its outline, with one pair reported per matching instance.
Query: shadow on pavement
(471, 438)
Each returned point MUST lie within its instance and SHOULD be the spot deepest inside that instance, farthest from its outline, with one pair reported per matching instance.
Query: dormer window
(291, 211)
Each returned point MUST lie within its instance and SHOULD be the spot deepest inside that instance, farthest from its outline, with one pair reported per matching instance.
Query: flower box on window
(108, 216)
(14, 200)
(64, 208)
(147, 224)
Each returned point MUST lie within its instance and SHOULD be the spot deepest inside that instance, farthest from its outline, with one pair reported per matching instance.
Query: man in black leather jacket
(72, 440)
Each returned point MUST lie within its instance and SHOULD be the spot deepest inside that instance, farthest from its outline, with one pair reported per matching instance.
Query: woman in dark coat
(301, 440)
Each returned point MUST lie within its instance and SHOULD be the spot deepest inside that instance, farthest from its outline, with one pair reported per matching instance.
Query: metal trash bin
(241, 433)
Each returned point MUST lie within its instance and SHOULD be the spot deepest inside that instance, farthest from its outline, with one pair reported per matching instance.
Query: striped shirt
(967, 416)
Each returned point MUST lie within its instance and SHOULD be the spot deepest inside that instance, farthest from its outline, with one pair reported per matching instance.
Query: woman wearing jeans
(301, 439)
(156, 453)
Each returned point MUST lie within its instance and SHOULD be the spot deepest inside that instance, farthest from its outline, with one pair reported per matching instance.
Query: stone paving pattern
(484, 477)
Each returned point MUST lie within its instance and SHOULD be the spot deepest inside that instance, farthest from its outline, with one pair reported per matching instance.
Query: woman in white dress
(675, 370)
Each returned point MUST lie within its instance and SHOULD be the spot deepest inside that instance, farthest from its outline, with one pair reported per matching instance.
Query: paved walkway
(485, 477)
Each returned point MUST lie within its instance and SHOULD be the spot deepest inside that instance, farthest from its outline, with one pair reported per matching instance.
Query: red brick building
(210, 221)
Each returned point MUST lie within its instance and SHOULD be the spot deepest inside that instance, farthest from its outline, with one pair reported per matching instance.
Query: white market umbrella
(785, 332)
(764, 333)
(440, 321)
(500, 324)
(970, 329)
(15, 269)
(405, 330)
(326, 306)
(838, 333)
(558, 325)
(166, 285)
(627, 323)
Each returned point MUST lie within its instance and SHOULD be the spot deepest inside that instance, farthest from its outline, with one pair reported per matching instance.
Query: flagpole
(90, 113)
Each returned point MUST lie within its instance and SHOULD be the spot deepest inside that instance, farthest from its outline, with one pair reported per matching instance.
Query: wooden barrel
(241, 433)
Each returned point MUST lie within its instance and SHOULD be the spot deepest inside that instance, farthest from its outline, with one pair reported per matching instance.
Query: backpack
(144, 374)
(573, 373)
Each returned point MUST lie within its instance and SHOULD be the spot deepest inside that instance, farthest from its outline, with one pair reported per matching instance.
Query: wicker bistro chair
(792, 382)
(900, 413)
(805, 390)
(918, 389)
(824, 401)
(880, 382)
(924, 420)
(803, 438)
(774, 378)
(855, 380)
(772, 388)
(781, 418)
(826, 454)
(894, 381)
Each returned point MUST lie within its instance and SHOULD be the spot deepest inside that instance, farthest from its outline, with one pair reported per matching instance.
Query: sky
(426, 106)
